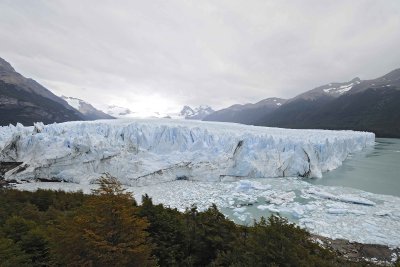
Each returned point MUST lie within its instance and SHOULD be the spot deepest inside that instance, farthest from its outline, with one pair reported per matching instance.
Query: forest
(110, 228)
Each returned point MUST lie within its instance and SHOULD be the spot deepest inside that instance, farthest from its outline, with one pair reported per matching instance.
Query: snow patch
(341, 89)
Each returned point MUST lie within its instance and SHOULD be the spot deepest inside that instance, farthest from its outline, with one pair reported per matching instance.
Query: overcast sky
(159, 55)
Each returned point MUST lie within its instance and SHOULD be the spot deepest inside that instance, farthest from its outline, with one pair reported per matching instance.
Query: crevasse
(141, 152)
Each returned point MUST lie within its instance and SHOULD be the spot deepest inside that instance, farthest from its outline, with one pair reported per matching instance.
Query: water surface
(376, 169)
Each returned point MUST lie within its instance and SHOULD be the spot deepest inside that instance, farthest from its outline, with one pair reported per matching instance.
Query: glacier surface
(149, 151)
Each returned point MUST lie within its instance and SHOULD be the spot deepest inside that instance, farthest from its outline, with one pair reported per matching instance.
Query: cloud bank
(160, 55)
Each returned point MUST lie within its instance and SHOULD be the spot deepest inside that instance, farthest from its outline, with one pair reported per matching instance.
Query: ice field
(247, 171)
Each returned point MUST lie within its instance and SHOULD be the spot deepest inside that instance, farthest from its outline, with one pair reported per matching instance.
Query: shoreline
(374, 253)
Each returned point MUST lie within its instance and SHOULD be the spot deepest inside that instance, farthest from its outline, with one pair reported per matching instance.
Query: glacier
(247, 171)
(150, 151)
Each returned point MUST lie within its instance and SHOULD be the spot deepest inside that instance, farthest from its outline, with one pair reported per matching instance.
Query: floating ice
(344, 211)
(377, 224)
(344, 198)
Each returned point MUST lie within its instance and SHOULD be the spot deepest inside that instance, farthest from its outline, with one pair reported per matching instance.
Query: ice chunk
(244, 185)
(240, 210)
(343, 198)
(345, 211)
(262, 207)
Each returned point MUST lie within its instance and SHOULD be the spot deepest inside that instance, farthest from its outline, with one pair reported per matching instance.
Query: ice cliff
(141, 152)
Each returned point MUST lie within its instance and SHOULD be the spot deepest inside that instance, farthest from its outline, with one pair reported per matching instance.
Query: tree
(276, 243)
(106, 230)
(27, 236)
(11, 255)
(166, 230)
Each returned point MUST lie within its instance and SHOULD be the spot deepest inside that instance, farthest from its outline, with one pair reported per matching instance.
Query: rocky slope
(25, 101)
(90, 112)
(197, 113)
(248, 113)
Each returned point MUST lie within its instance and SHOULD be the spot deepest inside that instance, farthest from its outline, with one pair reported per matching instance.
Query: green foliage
(166, 229)
(28, 237)
(11, 255)
(108, 228)
(105, 230)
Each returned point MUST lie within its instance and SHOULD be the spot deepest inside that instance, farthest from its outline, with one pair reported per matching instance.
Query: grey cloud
(197, 52)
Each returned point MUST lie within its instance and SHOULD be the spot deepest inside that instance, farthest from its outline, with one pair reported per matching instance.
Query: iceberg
(149, 151)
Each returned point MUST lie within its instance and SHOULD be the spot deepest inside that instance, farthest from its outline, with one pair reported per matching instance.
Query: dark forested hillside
(18, 105)
(25, 101)
(248, 113)
(375, 109)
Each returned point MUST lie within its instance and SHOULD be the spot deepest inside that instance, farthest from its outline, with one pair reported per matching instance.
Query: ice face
(142, 152)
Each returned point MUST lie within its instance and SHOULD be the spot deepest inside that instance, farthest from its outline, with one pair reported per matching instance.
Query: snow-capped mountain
(119, 112)
(364, 105)
(328, 90)
(197, 113)
(186, 113)
(339, 89)
(90, 112)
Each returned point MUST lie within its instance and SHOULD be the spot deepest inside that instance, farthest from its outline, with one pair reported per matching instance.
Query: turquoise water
(376, 169)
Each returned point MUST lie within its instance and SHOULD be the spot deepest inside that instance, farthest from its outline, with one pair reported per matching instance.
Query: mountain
(370, 105)
(364, 105)
(10, 76)
(90, 112)
(331, 90)
(248, 113)
(197, 113)
(119, 112)
(186, 113)
(26, 101)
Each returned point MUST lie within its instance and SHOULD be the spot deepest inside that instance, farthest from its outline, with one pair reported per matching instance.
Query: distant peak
(196, 113)
(186, 107)
(70, 97)
(204, 107)
(393, 75)
(186, 111)
(356, 79)
(4, 65)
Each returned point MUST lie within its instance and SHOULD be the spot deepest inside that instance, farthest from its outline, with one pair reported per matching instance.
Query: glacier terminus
(247, 171)
(149, 151)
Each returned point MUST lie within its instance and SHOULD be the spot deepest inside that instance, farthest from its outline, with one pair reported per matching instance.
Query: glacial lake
(375, 170)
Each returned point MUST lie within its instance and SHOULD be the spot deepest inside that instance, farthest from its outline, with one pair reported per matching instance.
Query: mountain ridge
(364, 105)
(90, 112)
(23, 100)
(198, 113)
(247, 113)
